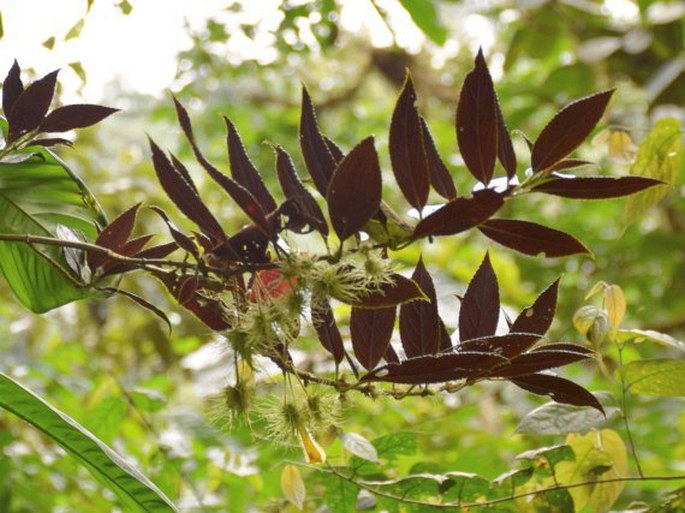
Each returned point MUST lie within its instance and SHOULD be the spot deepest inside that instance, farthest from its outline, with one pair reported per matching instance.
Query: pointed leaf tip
(568, 129)
(480, 307)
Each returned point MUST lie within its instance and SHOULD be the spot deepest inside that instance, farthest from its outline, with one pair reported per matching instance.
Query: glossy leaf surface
(595, 187)
(531, 238)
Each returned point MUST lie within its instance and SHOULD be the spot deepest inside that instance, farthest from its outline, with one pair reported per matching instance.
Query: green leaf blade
(655, 377)
(135, 491)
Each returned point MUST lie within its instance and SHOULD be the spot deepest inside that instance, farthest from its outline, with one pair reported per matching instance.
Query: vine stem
(624, 412)
(148, 264)
(369, 487)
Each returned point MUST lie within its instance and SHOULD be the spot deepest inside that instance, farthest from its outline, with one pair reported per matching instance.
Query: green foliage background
(113, 367)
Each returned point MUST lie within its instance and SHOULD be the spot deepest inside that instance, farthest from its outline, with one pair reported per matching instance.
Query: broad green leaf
(425, 15)
(560, 419)
(136, 492)
(340, 495)
(292, 486)
(655, 377)
(553, 454)
(599, 455)
(659, 157)
(638, 336)
(465, 487)
(37, 195)
(514, 478)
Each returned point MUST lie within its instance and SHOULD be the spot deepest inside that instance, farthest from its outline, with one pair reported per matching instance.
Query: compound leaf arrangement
(258, 288)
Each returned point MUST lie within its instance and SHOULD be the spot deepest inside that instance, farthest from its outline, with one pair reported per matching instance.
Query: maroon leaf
(161, 251)
(460, 214)
(436, 368)
(12, 88)
(354, 191)
(370, 331)
(74, 116)
(181, 168)
(180, 238)
(532, 238)
(250, 244)
(391, 355)
(569, 164)
(400, 290)
(141, 302)
(31, 106)
(245, 200)
(536, 361)
(335, 150)
(477, 122)
(294, 190)
(505, 148)
(114, 236)
(559, 389)
(184, 195)
(567, 130)
(316, 149)
(210, 310)
(244, 171)
(327, 330)
(440, 177)
(47, 142)
(595, 187)
(479, 310)
(420, 327)
(509, 346)
(561, 346)
(129, 249)
(445, 340)
(407, 155)
(538, 317)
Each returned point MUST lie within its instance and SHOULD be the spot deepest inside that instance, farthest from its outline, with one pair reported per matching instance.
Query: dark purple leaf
(440, 177)
(562, 346)
(335, 150)
(141, 302)
(31, 106)
(391, 355)
(595, 187)
(74, 116)
(12, 88)
(114, 235)
(532, 238)
(181, 168)
(245, 200)
(129, 249)
(445, 340)
(538, 317)
(436, 368)
(180, 238)
(420, 327)
(505, 148)
(536, 361)
(559, 389)
(354, 191)
(477, 122)
(327, 330)
(316, 150)
(407, 155)
(294, 190)
(48, 142)
(250, 244)
(210, 310)
(370, 331)
(160, 251)
(479, 310)
(244, 171)
(460, 214)
(401, 290)
(184, 195)
(569, 164)
(567, 130)
(508, 346)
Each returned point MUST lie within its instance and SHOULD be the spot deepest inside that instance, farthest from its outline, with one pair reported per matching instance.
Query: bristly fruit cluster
(255, 286)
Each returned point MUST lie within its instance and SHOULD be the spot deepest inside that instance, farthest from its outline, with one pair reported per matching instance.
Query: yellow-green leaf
(292, 486)
(75, 31)
(659, 157)
(615, 304)
(655, 377)
(600, 455)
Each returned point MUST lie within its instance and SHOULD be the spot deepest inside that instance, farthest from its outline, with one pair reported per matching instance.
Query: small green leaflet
(136, 492)
(655, 377)
(425, 14)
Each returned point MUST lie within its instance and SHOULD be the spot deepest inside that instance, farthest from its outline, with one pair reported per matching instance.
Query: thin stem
(371, 487)
(624, 412)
